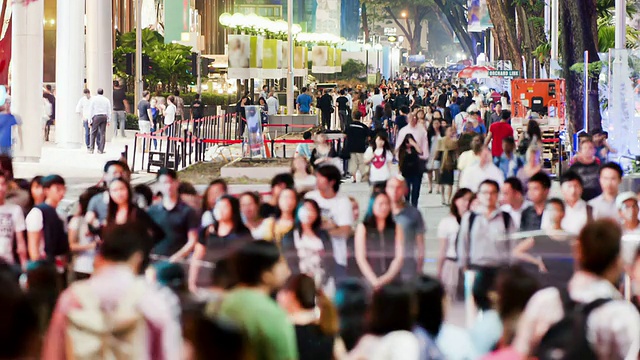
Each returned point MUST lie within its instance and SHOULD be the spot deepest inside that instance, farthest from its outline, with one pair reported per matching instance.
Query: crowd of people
(304, 273)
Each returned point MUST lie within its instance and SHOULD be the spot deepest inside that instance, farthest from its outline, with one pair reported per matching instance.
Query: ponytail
(328, 320)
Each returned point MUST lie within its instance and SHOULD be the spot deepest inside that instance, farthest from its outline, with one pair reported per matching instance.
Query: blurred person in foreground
(260, 271)
(129, 308)
(613, 330)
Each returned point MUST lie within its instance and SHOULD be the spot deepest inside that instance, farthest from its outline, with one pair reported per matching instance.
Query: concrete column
(26, 76)
(69, 72)
(621, 24)
(100, 50)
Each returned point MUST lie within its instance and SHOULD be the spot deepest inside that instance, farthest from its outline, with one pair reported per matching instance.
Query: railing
(186, 142)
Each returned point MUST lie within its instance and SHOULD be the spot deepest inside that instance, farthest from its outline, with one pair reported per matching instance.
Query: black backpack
(567, 339)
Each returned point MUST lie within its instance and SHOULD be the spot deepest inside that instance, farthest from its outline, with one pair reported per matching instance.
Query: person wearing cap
(627, 206)
(604, 205)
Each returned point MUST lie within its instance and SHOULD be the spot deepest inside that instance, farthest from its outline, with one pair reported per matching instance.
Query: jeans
(87, 132)
(119, 117)
(344, 119)
(6, 151)
(98, 132)
(413, 184)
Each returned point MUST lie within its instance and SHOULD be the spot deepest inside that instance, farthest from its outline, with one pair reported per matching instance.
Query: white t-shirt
(11, 221)
(378, 171)
(84, 261)
(169, 114)
(516, 215)
(575, 217)
(337, 209)
(474, 175)
(376, 100)
(448, 229)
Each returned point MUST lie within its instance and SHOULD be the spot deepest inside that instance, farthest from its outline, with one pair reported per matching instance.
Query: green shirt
(269, 333)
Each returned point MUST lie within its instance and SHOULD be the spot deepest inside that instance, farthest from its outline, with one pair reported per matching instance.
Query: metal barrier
(186, 142)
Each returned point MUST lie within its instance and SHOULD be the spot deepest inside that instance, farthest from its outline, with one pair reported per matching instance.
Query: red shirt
(500, 130)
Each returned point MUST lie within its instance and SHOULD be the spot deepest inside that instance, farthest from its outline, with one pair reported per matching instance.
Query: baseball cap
(622, 197)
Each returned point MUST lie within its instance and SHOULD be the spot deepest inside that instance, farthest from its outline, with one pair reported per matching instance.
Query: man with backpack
(114, 314)
(483, 241)
(587, 319)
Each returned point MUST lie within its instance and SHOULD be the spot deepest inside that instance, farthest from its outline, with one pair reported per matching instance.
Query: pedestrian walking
(84, 109)
(100, 117)
(120, 109)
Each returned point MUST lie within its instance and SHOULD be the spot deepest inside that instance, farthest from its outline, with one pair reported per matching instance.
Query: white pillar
(621, 24)
(26, 76)
(100, 50)
(69, 72)
(555, 24)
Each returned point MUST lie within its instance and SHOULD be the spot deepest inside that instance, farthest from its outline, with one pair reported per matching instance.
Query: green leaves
(170, 63)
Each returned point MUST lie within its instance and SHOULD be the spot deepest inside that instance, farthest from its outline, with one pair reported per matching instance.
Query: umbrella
(475, 72)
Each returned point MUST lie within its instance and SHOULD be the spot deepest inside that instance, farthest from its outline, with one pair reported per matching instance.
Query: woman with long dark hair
(379, 244)
(447, 150)
(250, 212)
(277, 227)
(435, 131)
(430, 296)
(447, 267)
(314, 317)
(36, 192)
(307, 247)
(409, 161)
(122, 210)
(219, 239)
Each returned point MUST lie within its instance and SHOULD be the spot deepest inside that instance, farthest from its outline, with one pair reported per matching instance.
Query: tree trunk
(412, 34)
(456, 16)
(578, 21)
(365, 22)
(503, 19)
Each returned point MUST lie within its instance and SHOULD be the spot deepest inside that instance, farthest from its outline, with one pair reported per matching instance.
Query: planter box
(255, 169)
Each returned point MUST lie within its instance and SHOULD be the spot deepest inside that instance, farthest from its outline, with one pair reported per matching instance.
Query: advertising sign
(479, 18)
(239, 56)
(254, 131)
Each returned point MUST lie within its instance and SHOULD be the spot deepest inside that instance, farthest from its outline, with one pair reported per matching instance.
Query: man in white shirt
(337, 214)
(604, 205)
(84, 109)
(577, 211)
(613, 328)
(272, 104)
(474, 174)
(100, 118)
(376, 99)
(512, 199)
(419, 135)
(170, 111)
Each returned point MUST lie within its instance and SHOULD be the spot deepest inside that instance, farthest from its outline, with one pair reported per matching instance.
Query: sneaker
(90, 151)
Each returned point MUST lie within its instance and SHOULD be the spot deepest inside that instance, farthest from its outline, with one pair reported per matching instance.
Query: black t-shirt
(401, 121)
(267, 210)
(143, 106)
(343, 103)
(442, 101)
(118, 99)
(590, 175)
(357, 136)
(324, 103)
(313, 344)
(176, 224)
(197, 109)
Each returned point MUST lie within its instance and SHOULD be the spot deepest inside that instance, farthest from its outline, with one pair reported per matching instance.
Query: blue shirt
(511, 166)
(6, 123)
(304, 100)
(480, 129)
